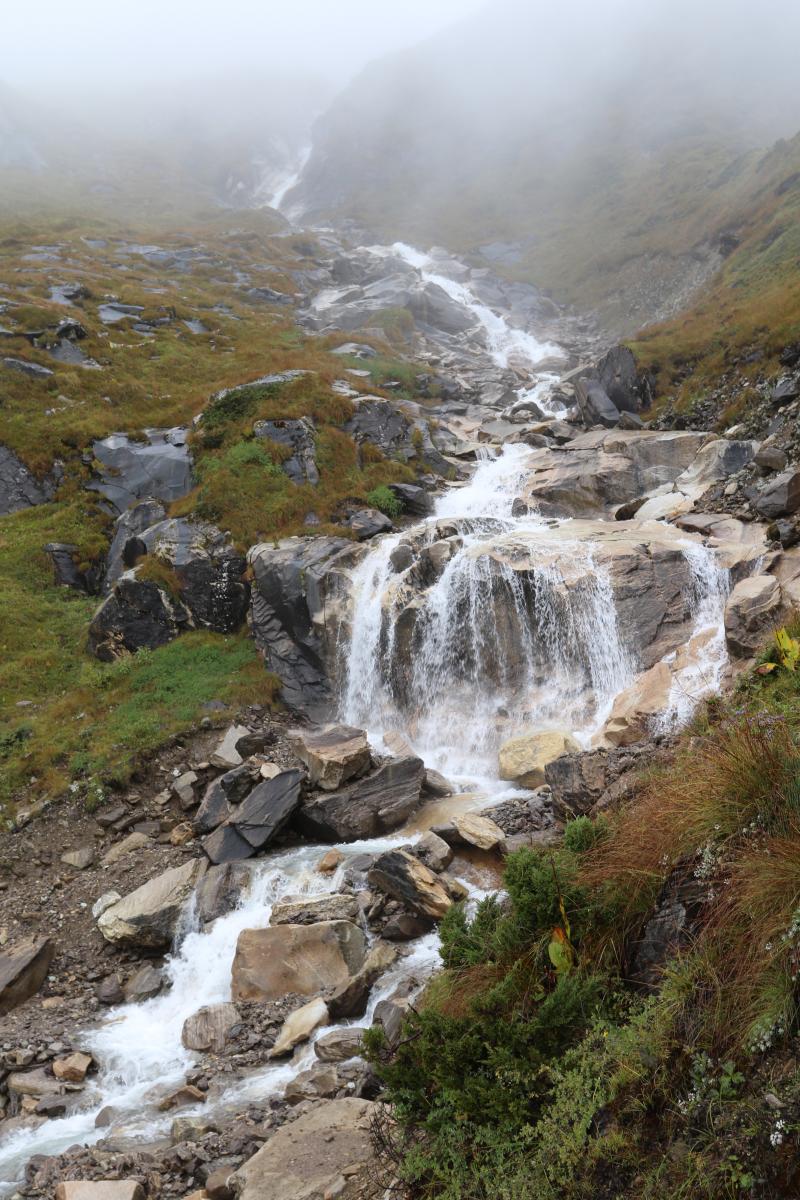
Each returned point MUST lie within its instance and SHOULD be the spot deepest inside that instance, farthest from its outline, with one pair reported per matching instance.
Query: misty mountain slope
(613, 159)
(738, 328)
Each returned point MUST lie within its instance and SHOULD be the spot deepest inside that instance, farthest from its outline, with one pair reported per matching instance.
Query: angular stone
(143, 984)
(306, 1159)
(220, 890)
(333, 755)
(330, 861)
(636, 707)
(183, 1096)
(404, 927)
(752, 610)
(148, 917)
(339, 1045)
(23, 969)
(350, 998)
(312, 909)
(129, 844)
(523, 759)
(596, 406)
(478, 831)
(220, 796)
(226, 756)
(300, 959)
(781, 496)
(371, 807)
(73, 1068)
(406, 879)
(433, 851)
(299, 1026)
(313, 1084)
(208, 1028)
(80, 859)
(257, 820)
(99, 1189)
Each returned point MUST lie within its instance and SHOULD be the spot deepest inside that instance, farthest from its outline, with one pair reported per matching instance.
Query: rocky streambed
(462, 683)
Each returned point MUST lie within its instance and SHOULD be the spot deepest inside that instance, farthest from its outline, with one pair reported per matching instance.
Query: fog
(246, 81)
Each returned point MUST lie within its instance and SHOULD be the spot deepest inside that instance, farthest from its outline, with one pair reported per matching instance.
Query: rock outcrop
(198, 584)
(369, 808)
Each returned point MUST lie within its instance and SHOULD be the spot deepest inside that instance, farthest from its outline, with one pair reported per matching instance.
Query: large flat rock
(306, 1159)
(306, 960)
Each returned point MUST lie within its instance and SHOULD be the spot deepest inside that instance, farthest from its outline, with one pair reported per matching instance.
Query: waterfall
(707, 656)
(497, 649)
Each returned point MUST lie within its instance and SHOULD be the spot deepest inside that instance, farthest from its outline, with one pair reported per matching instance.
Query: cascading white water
(139, 1045)
(508, 346)
(702, 673)
(496, 649)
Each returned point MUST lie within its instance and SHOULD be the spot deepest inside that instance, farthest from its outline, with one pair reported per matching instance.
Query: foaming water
(139, 1045)
(706, 659)
(508, 346)
(514, 634)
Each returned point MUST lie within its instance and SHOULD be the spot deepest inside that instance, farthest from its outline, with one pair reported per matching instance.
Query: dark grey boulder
(257, 820)
(127, 544)
(396, 434)
(26, 368)
(222, 795)
(19, 487)
(785, 391)
(369, 808)
(595, 405)
(619, 378)
(415, 500)
(159, 467)
(298, 437)
(294, 582)
(781, 496)
(220, 890)
(137, 614)
(211, 592)
(368, 523)
(23, 968)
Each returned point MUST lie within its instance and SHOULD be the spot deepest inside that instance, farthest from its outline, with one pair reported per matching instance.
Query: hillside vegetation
(547, 1059)
(65, 719)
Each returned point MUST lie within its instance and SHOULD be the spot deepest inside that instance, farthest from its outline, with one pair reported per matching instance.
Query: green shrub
(384, 499)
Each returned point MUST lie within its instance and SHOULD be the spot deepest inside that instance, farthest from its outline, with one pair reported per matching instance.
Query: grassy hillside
(751, 310)
(66, 720)
(535, 1066)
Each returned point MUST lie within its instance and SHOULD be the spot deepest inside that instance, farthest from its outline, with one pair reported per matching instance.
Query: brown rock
(523, 759)
(333, 755)
(299, 1026)
(312, 909)
(406, 879)
(350, 999)
(188, 1094)
(72, 1069)
(330, 861)
(208, 1028)
(100, 1189)
(301, 959)
(478, 831)
(306, 1158)
(635, 708)
(752, 610)
(23, 969)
